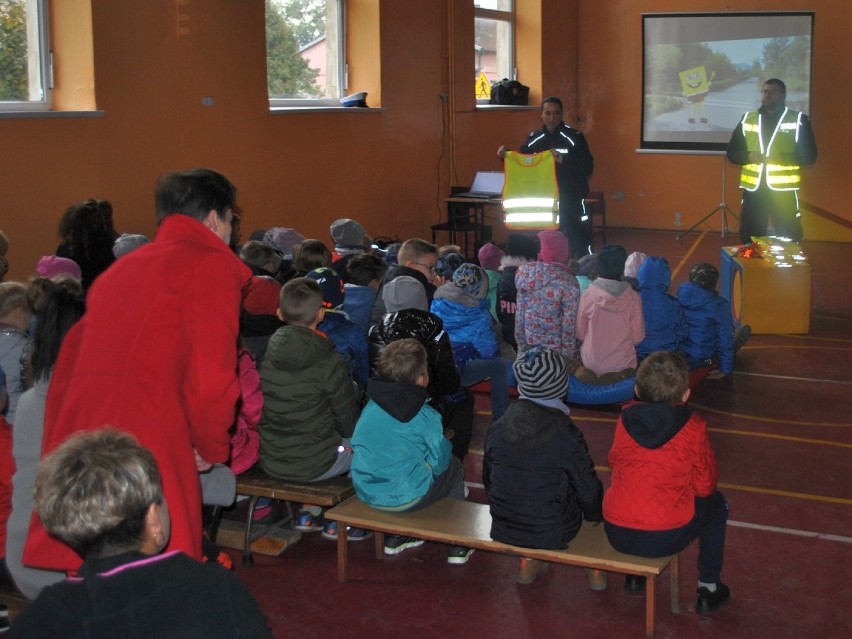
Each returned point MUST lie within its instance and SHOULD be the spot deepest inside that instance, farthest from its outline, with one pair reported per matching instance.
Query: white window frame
(40, 75)
(500, 15)
(342, 73)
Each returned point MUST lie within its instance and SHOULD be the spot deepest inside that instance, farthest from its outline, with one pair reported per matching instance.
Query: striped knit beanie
(541, 373)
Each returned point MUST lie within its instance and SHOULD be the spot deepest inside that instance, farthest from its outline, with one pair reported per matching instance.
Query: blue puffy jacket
(709, 327)
(466, 319)
(665, 325)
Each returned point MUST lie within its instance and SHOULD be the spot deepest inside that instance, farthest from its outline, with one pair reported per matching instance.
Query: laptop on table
(486, 185)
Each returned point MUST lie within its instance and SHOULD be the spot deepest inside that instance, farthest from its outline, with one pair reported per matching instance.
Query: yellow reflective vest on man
(779, 176)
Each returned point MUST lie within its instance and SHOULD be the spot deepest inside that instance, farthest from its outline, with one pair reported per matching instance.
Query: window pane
(493, 49)
(500, 5)
(303, 47)
(21, 77)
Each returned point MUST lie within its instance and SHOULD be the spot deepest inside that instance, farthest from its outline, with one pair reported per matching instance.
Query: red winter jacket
(155, 355)
(661, 460)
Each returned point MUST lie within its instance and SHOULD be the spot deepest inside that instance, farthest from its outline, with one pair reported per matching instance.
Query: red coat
(155, 355)
(660, 461)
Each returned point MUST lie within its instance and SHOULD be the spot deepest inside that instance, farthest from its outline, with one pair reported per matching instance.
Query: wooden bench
(469, 524)
(255, 483)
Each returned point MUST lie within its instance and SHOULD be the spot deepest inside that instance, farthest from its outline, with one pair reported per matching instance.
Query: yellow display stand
(772, 299)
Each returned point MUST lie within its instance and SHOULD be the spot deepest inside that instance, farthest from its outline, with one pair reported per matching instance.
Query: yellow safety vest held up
(531, 192)
(779, 177)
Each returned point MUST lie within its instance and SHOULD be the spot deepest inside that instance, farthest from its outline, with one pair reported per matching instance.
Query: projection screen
(703, 71)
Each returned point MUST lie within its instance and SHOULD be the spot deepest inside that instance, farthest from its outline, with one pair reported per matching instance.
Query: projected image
(703, 72)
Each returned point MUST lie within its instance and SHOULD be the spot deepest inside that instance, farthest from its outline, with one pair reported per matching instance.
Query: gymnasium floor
(782, 432)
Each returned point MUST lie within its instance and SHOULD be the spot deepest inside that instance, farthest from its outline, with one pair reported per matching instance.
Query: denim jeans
(477, 370)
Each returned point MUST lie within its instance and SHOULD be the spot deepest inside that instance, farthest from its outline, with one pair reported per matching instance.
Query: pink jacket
(245, 442)
(609, 325)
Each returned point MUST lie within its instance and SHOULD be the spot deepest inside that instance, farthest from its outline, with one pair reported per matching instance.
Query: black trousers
(764, 203)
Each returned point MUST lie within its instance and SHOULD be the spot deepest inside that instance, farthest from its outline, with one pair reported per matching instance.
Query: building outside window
(494, 39)
(24, 56)
(305, 52)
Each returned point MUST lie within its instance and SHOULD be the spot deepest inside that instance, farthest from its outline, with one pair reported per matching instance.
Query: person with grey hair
(128, 242)
(100, 493)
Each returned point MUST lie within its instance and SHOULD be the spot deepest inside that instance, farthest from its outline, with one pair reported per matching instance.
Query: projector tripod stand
(723, 207)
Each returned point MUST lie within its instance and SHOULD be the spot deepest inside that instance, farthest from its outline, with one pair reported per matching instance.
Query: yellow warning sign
(483, 86)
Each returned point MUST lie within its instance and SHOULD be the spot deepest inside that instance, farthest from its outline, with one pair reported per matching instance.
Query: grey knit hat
(402, 293)
(541, 373)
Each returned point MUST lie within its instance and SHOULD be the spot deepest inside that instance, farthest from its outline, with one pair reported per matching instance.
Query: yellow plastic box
(771, 299)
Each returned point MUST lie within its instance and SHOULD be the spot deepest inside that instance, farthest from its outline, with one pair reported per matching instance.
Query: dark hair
(364, 268)
(404, 360)
(299, 301)
(87, 230)
(662, 377)
(58, 310)
(777, 83)
(553, 99)
(309, 255)
(194, 193)
(259, 254)
(705, 275)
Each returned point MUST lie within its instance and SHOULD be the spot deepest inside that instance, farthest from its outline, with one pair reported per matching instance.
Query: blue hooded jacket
(665, 324)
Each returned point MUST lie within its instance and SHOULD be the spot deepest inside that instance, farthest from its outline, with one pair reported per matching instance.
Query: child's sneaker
(329, 531)
(394, 544)
(308, 522)
(710, 600)
(458, 555)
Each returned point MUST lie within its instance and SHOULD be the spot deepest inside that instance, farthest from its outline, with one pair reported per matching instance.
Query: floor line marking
(689, 253)
(789, 438)
(791, 531)
(772, 420)
(795, 379)
(745, 524)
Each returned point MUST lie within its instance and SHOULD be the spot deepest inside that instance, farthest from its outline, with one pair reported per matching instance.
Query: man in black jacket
(574, 165)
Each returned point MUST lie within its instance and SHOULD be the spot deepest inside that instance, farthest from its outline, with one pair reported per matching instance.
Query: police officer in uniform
(574, 164)
(772, 144)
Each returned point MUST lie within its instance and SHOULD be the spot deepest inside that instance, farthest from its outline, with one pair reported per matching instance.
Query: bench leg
(379, 544)
(674, 567)
(650, 602)
(342, 554)
(247, 558)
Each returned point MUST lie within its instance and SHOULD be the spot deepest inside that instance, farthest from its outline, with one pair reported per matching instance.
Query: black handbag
(509, 92)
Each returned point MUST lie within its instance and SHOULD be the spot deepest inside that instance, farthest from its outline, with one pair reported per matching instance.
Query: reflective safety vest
(531, 192)
(779, 177)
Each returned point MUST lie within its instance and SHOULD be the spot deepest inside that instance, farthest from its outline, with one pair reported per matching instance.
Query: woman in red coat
(663, 492)
(155, 354)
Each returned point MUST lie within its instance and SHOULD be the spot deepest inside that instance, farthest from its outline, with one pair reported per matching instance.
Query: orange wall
(388, 168)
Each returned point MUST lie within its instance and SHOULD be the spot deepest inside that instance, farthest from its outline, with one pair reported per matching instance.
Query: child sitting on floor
(539, 477)
(710, 337)
(663, 492)
(609, 322)
(402, 460)
(665, 325)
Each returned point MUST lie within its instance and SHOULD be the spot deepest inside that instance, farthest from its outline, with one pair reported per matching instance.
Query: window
(494, 40)
(305, 47)
(24, 56)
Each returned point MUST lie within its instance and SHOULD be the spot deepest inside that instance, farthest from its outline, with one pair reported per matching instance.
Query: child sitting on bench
(539, 477)
(663, 492)
(401, 459)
